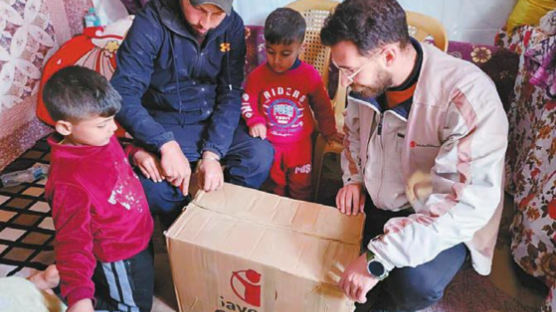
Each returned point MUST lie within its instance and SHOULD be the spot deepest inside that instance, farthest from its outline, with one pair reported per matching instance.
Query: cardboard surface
(239, 249)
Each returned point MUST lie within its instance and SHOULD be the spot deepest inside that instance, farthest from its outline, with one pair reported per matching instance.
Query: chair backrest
(315, 12)
(425, 28)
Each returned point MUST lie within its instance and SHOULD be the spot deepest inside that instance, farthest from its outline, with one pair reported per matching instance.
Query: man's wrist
(376, 267)
(210, 158)
(168, 146)
(208, 155)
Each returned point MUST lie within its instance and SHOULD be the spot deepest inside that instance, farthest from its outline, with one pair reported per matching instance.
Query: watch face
(376, 268)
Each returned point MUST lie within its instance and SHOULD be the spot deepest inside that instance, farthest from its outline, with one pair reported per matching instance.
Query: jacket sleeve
(321, 105)
(73, 242)
(250, 102)
(225, 117)
(466, 183)
(350, 158)
(135, 63)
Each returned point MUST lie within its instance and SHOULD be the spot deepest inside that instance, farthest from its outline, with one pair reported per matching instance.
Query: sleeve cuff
(130, 150)
(163, 139)
(78, 294)
(380, 256)
(212, 149)
(255, 120)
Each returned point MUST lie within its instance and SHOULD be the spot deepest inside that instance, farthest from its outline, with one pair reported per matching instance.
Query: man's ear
(389, 54)
(63, 127)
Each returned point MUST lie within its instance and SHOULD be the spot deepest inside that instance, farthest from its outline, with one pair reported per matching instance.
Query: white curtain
(475, 21)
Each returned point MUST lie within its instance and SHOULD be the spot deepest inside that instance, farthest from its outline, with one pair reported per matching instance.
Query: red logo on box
(246, 285)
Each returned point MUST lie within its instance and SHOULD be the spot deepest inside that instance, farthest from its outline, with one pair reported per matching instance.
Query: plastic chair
(425, 28)
(315, 53)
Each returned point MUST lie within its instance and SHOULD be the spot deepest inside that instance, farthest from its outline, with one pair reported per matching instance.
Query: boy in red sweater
(277, 103)
(102, 220)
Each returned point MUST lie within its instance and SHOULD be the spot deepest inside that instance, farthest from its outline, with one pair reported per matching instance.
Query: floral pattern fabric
(25, 42)
(499, 64)
(531, 164)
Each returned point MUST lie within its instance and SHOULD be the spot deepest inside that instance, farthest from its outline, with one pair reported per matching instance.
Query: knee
(415, 293)
(162, 197)
(261, 155)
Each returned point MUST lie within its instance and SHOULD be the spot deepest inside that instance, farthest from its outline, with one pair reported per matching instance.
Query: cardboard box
(239, 249)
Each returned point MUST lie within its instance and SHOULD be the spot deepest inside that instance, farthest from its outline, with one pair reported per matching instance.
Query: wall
(475, 21)
(30, 31)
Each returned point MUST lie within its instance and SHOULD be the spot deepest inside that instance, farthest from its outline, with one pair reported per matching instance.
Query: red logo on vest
(246, 285)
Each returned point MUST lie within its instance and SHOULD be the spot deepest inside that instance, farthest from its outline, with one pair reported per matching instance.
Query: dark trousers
(408, 288)
(247, 163)
(125, 285)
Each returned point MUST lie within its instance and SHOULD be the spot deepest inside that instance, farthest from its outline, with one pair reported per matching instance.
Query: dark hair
(75, 93)
(369, 24)
(284, 26)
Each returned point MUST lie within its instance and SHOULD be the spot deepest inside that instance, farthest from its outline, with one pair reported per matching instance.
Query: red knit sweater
(99, 209)
(283, 102)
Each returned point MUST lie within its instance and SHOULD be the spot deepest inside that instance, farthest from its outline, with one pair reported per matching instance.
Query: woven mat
(26, 227)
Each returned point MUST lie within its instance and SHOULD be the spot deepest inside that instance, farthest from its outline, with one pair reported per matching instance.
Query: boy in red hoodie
(277, 103)
(102, 220)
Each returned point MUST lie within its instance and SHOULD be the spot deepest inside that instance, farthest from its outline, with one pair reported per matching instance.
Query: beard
(383, 82)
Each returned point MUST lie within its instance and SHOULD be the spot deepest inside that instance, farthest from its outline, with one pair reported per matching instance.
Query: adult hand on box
(175, 166)
(210, 172)
(350, 199)
(356, 281)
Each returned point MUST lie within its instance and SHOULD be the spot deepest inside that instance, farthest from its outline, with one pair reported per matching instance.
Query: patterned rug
(26, 236)
(26, 227)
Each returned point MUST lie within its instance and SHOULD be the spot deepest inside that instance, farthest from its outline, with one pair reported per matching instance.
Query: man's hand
(83, 305)
(210, 172)
(336, 137)
(356, 281)
(175, 166)
(149, 164)
(350, 200)
(258, 130)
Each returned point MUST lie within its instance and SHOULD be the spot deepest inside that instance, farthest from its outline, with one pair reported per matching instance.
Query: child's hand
(83, 305)
(336, 137)
(149, 164)
(258, 130)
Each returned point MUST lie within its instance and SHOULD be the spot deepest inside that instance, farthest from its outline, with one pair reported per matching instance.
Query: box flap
(272, 210)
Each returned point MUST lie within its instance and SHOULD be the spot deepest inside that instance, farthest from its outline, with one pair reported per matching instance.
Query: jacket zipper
(379, 132)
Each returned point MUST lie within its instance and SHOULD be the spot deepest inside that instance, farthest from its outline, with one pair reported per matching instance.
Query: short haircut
(368, 24)
(75, 93)
(284, 26)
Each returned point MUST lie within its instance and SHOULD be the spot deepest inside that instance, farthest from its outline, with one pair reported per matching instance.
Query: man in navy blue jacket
(179, 72)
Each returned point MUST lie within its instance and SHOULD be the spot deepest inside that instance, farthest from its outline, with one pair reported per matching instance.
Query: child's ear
(63, 127)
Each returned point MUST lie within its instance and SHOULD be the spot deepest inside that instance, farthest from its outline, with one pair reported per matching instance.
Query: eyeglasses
(350, 74)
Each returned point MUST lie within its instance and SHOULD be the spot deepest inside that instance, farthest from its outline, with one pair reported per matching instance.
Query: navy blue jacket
(175, 89)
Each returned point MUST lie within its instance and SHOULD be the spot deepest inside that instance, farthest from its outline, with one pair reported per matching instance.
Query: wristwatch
(375, 267)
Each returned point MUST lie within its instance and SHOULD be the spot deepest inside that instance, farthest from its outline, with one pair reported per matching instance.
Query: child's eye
(101, 126)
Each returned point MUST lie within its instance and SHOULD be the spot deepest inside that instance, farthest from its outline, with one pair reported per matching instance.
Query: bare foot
(47, 279)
